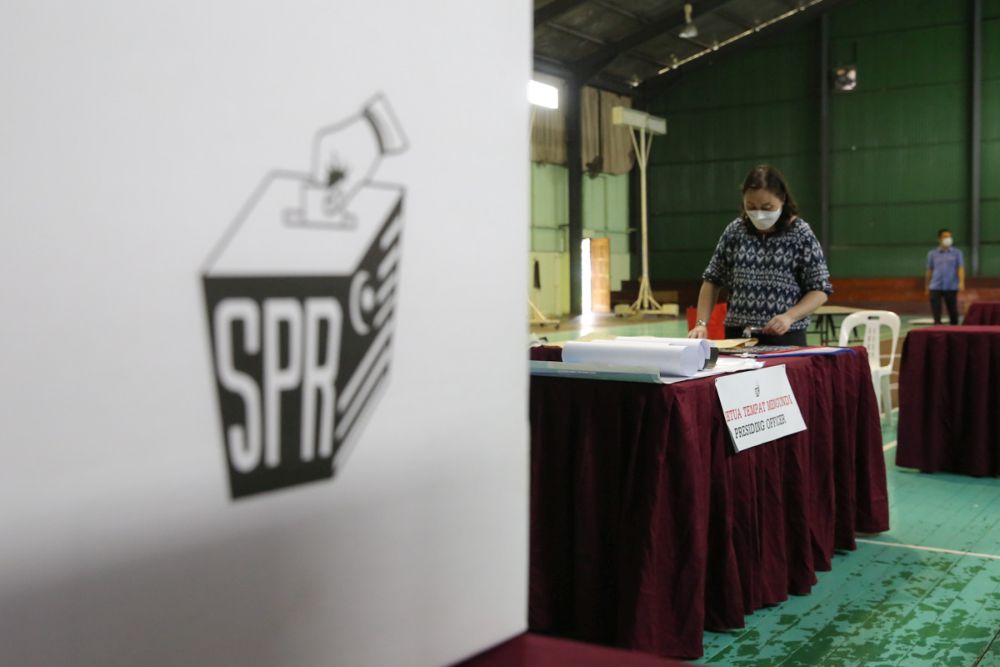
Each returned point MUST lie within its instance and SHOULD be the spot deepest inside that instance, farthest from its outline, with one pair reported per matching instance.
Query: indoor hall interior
(884, 118)
(378, 334)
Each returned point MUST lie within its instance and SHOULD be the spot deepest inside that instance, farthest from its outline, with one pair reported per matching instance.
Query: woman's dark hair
(942, 231)
(766, 177)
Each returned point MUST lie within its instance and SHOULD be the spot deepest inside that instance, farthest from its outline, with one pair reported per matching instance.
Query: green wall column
(976, 132)
(574, 159)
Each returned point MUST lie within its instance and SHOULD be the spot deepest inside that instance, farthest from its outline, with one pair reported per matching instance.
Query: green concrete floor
(927, 592)
(890, 602)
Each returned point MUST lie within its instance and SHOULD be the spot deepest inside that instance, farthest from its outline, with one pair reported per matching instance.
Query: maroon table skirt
(529, 650)
(983, 313)
(646, 526)
(949, 400)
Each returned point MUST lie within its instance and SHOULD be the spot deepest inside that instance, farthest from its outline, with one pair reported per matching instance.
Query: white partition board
(134, 136)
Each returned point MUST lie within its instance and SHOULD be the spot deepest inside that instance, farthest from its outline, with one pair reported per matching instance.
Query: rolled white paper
(677, 360)
(685, 342)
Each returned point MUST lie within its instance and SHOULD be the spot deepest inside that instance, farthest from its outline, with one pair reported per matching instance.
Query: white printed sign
(759, 407)
(255, 446)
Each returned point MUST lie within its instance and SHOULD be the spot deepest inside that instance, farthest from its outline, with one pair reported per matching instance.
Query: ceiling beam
(547, 65)
(554, 9)
(649, 60)
(590, 65)
(612, 84)
(727, 15)
(579, 34)
(621, 11)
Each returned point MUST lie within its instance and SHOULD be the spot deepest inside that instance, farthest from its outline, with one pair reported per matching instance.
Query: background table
(949, 400)
(826, 326)
(530, 650)
(983, 313)
(646, 527)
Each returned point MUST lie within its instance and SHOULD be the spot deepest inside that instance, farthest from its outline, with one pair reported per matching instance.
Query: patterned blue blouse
(767, 275)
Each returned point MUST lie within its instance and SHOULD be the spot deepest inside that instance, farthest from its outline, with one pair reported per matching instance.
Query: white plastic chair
(873, 321)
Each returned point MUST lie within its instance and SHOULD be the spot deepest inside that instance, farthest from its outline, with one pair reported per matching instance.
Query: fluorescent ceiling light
(543, 95)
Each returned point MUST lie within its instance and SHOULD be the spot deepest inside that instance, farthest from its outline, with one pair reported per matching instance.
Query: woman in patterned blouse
(771, 263)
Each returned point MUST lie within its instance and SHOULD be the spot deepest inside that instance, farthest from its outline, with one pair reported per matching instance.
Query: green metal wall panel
(619, 243)
(879, 261)
(714, 187)
(991, 169)
(746, 79)
(694, 187)
(991, 107)
(912, 58)
(900, 117)
(991, 52)
(900, 175)
(594, 204)
(690, 231)
(605, 202)
(989, 259)
(891, 224)
(546, 240)
(991, 221)
(737, 132)
(677, 264)
(617, 199)
(870, 16)
(990, 181)
(549, 195)
(621, 269)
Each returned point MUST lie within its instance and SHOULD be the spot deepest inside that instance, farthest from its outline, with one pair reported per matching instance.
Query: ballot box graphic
(300, 297)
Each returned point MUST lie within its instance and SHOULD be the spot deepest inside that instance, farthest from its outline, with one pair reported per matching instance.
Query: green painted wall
(755, 107)
(900, 153)
(549, 207)
(605, 214)
(899, 142)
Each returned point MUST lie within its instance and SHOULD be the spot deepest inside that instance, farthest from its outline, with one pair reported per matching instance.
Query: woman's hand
(698, 332)
(779, 325)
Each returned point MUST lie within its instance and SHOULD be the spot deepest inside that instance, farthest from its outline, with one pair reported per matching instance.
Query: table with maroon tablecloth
(647, 527)
(949, 400)
(529, 650)
(983, 313)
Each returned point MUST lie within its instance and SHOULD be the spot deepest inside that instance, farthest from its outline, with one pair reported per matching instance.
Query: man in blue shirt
(945, 277)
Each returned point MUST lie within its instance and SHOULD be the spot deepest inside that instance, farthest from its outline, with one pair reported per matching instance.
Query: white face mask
(764, 220)
(947, 242)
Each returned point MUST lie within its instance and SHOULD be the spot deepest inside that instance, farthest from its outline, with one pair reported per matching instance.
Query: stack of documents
(641, 359)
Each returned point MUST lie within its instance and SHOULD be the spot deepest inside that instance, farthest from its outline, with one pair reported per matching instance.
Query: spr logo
(300, 298)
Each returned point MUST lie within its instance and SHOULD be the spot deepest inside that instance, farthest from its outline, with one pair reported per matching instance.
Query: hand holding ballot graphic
(345, 157)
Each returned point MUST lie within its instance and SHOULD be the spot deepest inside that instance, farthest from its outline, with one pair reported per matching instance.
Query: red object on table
(949, 397)
(983, 313)
(646, 526)
(529, 650)
(716, 322)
